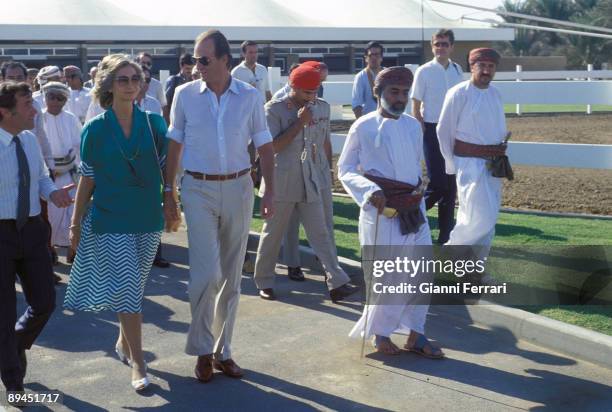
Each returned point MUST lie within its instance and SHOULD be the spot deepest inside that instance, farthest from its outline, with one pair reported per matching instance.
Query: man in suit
(23, 233)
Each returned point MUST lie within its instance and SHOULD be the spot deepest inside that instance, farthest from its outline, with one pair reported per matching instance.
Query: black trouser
(23, 253)
(442, 188)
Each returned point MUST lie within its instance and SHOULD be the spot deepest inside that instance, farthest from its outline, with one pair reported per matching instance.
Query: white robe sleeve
(75, 138)
(41, 136)
(447, 129)
(354, 183)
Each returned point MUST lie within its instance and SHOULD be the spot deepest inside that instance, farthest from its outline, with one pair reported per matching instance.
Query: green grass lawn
(556, 108)
(513, 232)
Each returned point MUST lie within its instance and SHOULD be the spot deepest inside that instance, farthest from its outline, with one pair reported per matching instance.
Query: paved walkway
(297, 356)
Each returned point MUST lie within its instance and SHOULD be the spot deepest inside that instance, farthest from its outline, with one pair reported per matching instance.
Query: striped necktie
(23, 197)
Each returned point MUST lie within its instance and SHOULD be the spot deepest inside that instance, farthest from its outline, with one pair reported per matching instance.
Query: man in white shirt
(380, 167)
(472, 134)
(211, 122)
(79, 95)
(144, 101)
(251, 72)
(17, 72)
(156, 89)
(92, 78)
(431, 82)
(363, 100)
(23, 234)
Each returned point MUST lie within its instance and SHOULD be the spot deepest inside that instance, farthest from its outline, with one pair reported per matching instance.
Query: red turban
(305, 77)
(317, 65)
(393, 75)
(484, 54)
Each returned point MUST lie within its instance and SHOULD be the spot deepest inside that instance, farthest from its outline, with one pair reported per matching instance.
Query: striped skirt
(110, 270)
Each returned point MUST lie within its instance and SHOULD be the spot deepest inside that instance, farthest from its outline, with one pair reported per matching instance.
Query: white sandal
(141, 384)
(122, 357)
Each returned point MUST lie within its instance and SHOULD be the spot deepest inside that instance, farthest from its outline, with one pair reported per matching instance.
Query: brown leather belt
(202, 176)
(465, 149)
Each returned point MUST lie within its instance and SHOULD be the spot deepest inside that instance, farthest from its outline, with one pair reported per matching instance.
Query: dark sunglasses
(441, 44)
(125, 80)
(147, 80)
(204, 61)
(60, 98)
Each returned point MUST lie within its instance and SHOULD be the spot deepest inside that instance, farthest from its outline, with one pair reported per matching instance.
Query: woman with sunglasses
(122, 152)
(63, 131)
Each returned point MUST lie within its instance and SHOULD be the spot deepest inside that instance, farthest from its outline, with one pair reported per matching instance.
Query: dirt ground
(554, 189)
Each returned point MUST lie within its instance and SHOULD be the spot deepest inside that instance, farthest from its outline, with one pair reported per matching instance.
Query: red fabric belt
(465, 149)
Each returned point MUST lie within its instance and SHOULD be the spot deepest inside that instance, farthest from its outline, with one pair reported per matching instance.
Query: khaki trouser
(291, 241)
(218, 216)
(312, 217)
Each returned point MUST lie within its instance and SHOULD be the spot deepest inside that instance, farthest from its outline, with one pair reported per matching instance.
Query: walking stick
(367, 308)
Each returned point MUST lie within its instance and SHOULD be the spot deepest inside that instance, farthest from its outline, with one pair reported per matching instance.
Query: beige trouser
(291, 240)
(218, 218)
(312, 217)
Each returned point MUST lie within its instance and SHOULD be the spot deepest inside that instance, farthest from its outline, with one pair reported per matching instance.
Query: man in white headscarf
(64, 133)
(45, 75)
(380, 167)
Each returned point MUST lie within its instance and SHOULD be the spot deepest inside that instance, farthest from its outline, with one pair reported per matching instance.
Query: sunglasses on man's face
(146, 63)
(125, 80)
(60, 98)
(204, 61)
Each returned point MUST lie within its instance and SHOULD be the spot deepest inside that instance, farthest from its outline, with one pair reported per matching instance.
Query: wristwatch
(168, 188)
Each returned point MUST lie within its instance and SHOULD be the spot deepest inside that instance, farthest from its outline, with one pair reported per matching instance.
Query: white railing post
(163, 75)
(519, 69)
(589, 69)
(274, 78)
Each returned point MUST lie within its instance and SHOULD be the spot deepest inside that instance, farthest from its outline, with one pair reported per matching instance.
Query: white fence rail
(532, 92)
(581, 156)
(536, 87)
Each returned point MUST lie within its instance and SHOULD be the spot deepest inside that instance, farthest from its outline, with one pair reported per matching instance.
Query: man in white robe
(388, 144)
(80, 96)
(473, 119)
(63, 130)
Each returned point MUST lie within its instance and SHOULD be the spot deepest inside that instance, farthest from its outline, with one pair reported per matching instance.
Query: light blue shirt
(216, 133)
(41, 184)
(362, 93)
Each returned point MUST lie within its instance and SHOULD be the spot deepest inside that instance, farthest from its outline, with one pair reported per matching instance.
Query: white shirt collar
(233, 87)
(5, 137)
(436, 62)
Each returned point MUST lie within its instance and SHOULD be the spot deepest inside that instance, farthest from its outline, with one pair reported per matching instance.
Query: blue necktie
(23, 197)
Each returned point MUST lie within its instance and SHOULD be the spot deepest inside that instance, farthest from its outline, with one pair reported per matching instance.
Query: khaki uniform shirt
(301, 169)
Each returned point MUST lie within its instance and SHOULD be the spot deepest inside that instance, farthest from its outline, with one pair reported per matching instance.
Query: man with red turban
(299, 124)
(380, 167)
(472, 134)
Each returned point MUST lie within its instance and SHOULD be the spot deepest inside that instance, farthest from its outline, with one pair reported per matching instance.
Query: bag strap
(370, 80)
(155, 148)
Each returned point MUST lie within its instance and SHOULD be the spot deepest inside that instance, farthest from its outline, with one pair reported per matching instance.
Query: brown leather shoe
(204, 368)
(229, 368)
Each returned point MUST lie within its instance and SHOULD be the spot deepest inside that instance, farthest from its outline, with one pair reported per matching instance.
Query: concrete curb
(570, 340)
